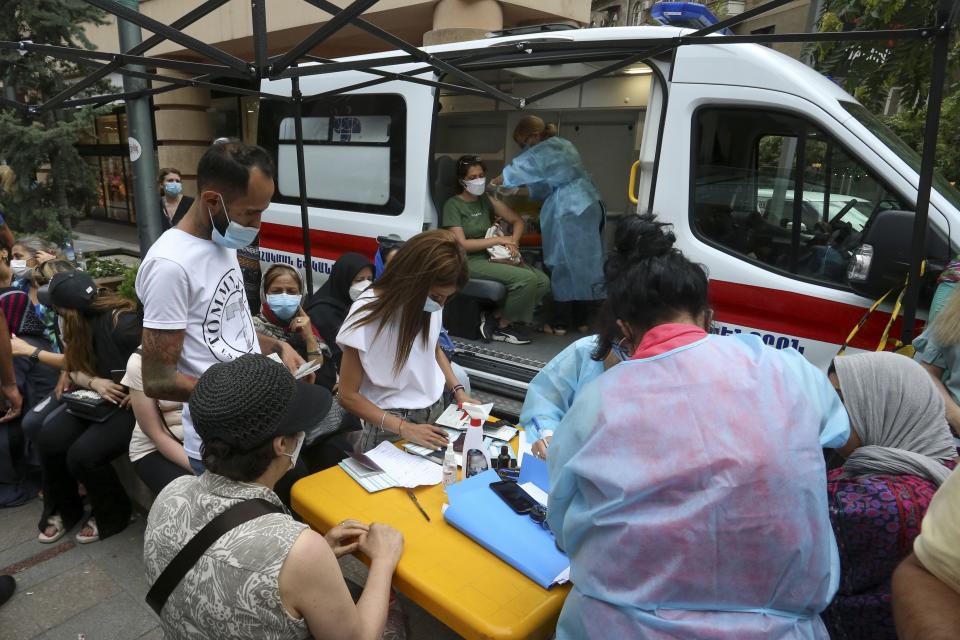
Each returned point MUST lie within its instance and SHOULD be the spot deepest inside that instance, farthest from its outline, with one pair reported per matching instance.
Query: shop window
(746, 169)
(354, 148)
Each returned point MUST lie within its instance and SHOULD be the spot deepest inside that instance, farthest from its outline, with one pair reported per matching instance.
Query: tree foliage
(44, 201)
(873, 71)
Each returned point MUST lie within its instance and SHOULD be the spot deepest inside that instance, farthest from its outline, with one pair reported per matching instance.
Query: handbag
(499, 253)
(89, 405)
(188, 556)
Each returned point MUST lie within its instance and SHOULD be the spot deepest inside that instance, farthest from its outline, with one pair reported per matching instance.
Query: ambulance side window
(745, 175)
(354, 149)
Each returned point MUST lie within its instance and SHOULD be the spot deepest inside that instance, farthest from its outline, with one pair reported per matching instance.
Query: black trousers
(157, 471)
(574, 313)
(76, 450)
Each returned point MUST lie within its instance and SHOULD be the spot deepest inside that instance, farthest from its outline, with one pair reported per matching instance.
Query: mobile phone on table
(515, 497)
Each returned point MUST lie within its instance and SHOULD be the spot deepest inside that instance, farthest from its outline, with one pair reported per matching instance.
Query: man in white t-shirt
(195, 307)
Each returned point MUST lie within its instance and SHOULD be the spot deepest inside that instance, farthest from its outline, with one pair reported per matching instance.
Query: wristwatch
(35, 356)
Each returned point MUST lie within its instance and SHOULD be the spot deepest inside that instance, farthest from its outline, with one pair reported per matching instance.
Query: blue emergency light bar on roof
(689, 15)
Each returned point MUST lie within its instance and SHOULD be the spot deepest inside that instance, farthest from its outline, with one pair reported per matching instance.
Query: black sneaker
(512, 335)
(488, 326)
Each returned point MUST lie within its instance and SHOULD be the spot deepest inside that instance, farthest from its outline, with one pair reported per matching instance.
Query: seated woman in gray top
(271, 577)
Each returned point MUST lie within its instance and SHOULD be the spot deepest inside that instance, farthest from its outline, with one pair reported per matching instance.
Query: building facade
(187, 120)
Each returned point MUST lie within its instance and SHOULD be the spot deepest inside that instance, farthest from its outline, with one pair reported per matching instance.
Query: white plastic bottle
(449, 466)
(473, 442)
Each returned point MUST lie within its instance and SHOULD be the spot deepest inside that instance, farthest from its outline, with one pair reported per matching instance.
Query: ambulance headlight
(859, 267)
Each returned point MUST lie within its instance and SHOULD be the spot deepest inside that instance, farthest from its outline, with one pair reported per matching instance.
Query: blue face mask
(172, 189)
(283, 305)
(236, 236)
(431, 305)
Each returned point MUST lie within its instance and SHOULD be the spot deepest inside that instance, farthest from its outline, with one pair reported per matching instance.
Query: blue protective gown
(552, 391)
(570, 218)
(689, 490)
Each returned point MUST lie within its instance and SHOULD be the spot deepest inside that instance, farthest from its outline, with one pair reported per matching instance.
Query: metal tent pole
(142, 145)
(938, 79)
(302, 184)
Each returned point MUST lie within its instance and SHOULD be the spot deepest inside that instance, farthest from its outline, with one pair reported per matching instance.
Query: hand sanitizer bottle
(476, 458)
(449, 466)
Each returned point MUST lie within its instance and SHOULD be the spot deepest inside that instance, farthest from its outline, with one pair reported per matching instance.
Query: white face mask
(431, 305)
(19, 268)
(296, 450)
(475, 187)
(359, 288)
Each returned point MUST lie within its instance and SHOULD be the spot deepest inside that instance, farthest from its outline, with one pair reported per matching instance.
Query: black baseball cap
(68, 290)
(252, 399)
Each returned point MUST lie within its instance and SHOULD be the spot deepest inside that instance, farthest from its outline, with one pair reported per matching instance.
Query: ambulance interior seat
(462, 313)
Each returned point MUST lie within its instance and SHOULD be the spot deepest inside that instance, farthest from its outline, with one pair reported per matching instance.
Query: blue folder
(516, 539)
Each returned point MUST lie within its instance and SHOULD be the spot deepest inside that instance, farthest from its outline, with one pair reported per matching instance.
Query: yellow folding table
(456, 580)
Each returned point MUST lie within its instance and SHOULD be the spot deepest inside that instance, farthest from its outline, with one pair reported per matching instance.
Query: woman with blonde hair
(101, 330)
(393, 371)
(938, 351)
(571, 219)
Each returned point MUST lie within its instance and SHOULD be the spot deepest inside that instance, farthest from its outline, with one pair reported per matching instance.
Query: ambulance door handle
(632, 189)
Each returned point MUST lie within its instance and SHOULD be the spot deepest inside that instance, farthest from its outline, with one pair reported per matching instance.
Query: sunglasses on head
(470, 160)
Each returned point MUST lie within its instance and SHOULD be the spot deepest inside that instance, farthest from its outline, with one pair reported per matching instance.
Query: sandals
(82, 539)
(53, 521)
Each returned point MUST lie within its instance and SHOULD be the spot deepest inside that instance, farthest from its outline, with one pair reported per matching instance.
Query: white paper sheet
(535, 492)
(457, 418)
(406, 469)
(523, 447)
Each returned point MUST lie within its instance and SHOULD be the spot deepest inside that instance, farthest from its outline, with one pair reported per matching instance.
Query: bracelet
(459, 387)
(314, 353)
(382, 418)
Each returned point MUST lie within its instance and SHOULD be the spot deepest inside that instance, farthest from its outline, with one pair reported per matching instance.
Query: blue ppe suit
(570, 218)
(689, 490)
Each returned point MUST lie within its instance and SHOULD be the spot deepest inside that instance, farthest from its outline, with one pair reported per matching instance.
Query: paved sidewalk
(67, 591)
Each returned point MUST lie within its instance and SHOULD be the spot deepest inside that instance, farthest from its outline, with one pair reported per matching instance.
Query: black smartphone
(515, 497)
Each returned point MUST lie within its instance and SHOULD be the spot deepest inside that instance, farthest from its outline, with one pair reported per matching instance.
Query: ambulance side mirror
(882, 260)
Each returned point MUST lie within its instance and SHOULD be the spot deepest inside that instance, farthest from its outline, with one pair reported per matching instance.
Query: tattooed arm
(161, 352)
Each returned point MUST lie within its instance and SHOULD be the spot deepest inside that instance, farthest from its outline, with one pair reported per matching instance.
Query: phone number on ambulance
(771, 339)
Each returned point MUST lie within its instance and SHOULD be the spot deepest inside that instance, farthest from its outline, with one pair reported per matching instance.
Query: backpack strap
(189, 555)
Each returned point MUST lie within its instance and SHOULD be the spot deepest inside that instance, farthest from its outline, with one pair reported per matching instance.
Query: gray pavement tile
(19, 525)
(115, 618)
(58, 599)
(42, 571)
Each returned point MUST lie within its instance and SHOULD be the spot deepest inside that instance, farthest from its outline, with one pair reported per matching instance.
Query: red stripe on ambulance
(327, 245)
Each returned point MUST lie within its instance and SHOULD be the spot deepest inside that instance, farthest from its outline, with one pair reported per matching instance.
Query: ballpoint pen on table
(417, 502)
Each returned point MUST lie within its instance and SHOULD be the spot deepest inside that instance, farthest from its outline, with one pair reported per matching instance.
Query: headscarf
(328, 307)
(898, 414)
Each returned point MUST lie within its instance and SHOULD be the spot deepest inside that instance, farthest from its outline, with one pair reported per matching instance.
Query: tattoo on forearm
(161, 353)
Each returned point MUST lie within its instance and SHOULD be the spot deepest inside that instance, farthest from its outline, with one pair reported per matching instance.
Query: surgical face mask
(236, 236)
(283, 305)
(475, 187)
(431, 305)
(358, 288)
(621, 351)
(19, 268)
(296, 450)
(172, 189)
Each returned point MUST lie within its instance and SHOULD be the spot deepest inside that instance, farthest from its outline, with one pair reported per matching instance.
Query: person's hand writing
(109, 390)
(20, 347)
(345, 537)
(382, 543)
(426, 435)
(540, 447)
(11, 394)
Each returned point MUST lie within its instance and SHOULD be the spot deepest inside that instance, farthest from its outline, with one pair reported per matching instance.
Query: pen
(417, 502)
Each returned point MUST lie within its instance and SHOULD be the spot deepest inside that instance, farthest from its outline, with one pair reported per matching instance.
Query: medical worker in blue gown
(687, 483)
(571, 218)
(553, 390)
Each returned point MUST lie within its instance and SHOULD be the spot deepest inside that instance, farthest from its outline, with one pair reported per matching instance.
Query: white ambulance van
(716, 139)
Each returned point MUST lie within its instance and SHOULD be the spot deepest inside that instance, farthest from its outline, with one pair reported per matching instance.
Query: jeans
(76, 450)
(197, 466)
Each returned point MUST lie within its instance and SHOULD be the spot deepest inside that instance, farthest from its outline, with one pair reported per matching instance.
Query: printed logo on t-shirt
(227, 326)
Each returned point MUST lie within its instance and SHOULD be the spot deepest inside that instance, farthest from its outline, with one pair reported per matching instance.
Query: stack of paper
(455, 418)
(392, 468)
